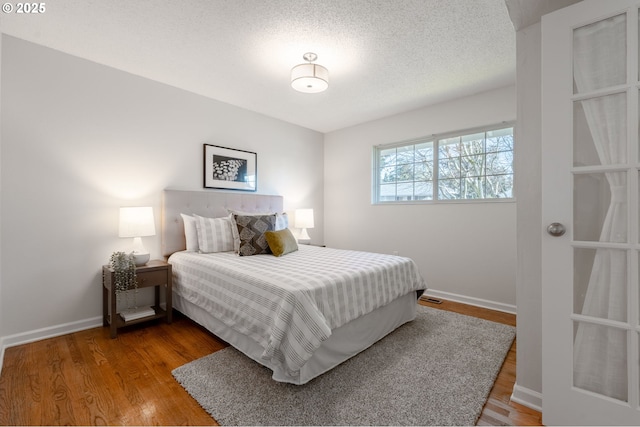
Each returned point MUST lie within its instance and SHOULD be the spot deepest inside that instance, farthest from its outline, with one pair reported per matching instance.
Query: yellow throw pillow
(281, 242)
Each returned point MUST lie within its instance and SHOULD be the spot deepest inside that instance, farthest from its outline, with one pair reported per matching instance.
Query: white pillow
(190, 232)
(282, 221)
(214, 234)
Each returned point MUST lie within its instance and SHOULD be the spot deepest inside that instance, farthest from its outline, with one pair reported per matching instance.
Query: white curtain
(600, 356)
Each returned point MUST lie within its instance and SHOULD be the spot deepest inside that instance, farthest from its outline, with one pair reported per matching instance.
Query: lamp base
(304, 235)
(140, 258)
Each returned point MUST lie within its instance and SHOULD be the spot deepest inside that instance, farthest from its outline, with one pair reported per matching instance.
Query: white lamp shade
(309, 78)
(136, 222)
(304, 218)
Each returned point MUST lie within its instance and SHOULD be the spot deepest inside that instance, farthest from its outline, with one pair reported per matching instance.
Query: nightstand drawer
(152, 278)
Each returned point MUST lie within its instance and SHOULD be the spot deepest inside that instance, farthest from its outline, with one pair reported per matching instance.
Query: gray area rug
(436, 370)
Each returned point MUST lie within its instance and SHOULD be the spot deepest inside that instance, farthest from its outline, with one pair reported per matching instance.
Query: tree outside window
(474, 165)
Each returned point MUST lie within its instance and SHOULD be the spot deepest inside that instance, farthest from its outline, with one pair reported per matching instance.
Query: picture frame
(229, 168)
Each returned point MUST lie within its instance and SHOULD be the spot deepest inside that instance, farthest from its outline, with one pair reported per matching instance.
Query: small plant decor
(124, 268)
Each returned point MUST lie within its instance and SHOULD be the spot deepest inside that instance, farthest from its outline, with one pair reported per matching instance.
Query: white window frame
(436, 141)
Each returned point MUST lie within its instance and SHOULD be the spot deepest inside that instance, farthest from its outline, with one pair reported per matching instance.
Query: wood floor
(86, 378)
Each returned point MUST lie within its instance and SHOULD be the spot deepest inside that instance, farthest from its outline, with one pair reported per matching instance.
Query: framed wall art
(230, 169)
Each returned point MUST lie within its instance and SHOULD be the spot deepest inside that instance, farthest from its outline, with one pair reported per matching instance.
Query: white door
(590, 297)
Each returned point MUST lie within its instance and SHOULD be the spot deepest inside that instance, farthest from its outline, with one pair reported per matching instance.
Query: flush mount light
(309, 77)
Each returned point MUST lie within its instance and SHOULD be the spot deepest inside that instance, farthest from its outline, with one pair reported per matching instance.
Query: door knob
(556, 229)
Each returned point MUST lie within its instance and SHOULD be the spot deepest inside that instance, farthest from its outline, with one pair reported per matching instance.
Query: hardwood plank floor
(86, 378)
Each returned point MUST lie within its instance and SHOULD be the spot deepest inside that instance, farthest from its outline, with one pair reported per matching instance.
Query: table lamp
(137, 222)
(304, 220)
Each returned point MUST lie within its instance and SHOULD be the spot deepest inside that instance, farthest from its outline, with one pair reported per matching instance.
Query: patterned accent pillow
(282, 222)
(251, 229)
(214, 234)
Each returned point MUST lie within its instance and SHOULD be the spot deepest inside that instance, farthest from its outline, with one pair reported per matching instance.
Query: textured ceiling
(527, 12)
(384, 56)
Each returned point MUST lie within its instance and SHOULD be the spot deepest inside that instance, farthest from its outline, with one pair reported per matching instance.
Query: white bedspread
(290, 304)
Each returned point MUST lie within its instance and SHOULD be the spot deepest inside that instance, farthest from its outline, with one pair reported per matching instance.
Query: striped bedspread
(290, 304)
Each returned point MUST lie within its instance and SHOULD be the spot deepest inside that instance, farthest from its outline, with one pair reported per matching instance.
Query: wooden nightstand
(154, 273)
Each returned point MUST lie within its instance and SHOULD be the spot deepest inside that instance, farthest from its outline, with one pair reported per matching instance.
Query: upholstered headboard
(211, 204)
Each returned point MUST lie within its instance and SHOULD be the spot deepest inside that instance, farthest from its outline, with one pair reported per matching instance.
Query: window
(461, 166)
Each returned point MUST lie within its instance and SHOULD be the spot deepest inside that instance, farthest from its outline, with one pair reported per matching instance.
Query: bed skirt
(344, 342)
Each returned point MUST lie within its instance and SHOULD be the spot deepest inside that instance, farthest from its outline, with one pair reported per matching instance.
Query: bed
(300, 314)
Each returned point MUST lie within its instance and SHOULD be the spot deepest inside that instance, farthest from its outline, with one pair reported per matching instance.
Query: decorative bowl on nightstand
(140, 258)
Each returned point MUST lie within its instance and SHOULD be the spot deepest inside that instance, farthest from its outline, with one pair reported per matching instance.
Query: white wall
(525, 15)
(79, 140)
(1, 318)
(462, 249)
(529, 187)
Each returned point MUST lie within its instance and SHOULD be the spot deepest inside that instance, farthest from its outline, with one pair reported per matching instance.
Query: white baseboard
(527, 397)
(1, 353)
(478, 302)
(94, 322)
(48, 332)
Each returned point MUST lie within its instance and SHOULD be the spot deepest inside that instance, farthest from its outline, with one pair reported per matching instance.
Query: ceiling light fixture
(309, 78)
